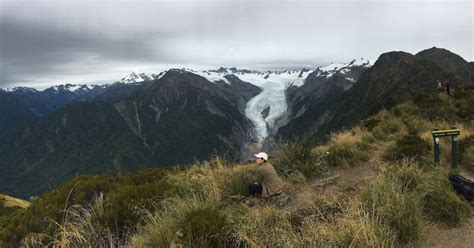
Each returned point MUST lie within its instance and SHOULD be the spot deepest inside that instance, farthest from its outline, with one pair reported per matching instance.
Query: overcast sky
(51, 42)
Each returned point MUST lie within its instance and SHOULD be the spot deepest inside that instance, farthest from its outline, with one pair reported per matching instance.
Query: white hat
(262, 155)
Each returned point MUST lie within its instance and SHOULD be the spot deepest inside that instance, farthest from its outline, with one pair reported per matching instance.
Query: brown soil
(347, 179)
(441, 236)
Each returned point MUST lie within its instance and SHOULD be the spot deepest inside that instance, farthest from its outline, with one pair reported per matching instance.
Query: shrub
(370, 123)
(126, 196)
(433, 107)
(439, 200)
(7, 213)
(465, 110)
(416, 125)
(466, 152)
(468, 158)
(409, 146)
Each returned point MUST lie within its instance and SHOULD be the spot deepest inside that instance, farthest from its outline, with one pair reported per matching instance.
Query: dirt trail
(344, 179)
(459, 237)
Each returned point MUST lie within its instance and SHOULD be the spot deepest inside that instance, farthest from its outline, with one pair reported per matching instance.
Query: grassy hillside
(369, 186)
(10, 207)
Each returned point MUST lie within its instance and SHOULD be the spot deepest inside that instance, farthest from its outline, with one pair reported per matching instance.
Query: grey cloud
(37, 49)
(65, 40)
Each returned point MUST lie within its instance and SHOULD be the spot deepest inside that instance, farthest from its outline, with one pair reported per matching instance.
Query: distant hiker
(267, 182)
(448, 89)
(440, 86)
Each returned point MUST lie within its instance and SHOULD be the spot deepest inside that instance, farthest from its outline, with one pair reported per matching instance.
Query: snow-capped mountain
(73, 88)
(266, 110)
(343, 68)
(19, 90)
(135, 77)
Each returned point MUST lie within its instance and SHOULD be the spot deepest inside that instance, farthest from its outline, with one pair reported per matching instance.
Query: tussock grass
(354, 228)
(78, 228)
(439, 200)
(295, 159)
(347, 148)
(400, 211)
(468, 158)
(408, 146)
(216, 178)
(466, 152)
(406, 174)
(266, 226)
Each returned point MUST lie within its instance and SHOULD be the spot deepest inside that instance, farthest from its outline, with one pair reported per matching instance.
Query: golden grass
(77, 229)
(349, 137)
(8, 201)
(345, 138)
(353, 228)
(466, 129)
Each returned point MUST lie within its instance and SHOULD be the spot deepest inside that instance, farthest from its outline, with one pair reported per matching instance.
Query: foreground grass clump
(406, 174)
(195, 222)
(204, 227)
(79, 228)
(266, 226)
(354, 228)
(439, 200)
(294, 159)
(8, 213)
(346, 149)
(400, 211)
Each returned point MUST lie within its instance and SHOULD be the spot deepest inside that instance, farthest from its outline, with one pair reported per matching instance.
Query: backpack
(463, 186)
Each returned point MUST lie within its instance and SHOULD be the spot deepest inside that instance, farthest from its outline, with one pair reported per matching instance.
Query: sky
(44, 43)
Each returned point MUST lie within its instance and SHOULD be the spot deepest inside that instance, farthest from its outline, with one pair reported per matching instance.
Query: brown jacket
(268, 178)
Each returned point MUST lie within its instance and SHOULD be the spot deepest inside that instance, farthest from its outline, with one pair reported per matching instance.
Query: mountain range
(179, 116)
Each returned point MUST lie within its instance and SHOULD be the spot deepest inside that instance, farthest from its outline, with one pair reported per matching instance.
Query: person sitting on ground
(267, 182)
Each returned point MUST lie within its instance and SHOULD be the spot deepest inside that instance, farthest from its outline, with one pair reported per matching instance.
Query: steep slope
(395, 76)
(182, 117)
(466, 73)
(176, 119)
(323, 88)
(81, 138)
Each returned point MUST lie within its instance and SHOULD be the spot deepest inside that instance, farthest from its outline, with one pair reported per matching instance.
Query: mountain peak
(443, 58)
(22, 90)
(75, 88)
(135, 77)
